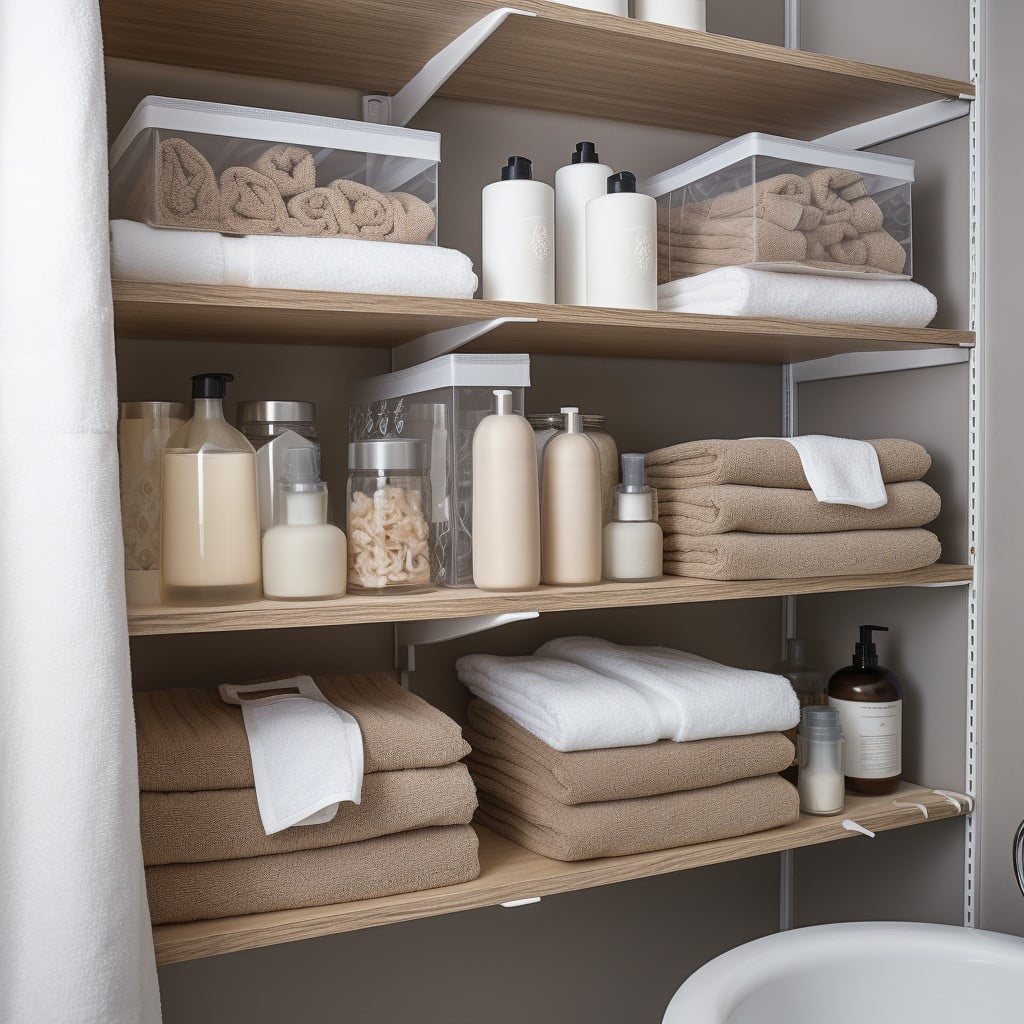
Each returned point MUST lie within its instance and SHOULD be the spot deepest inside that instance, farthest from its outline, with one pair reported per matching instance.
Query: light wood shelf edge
(509, 872)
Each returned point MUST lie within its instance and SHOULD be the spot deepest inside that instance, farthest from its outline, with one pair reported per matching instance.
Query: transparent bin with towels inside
(250, 171)
(441, 402)
(771, 203)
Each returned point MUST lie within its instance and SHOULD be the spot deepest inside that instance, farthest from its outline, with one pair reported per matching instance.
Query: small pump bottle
(571, 506)
(622, 247)
(575, 185)
(633, 540)
(304, 556)
(506, 507)
(869, 699)
(518, 236)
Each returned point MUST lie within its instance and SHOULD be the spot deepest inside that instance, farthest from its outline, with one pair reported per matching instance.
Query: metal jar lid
(139, 410)
(393, 454)
(276, 412)
(556, 421)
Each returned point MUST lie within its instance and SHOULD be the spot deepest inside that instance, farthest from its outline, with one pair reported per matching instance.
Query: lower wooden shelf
(509, 872)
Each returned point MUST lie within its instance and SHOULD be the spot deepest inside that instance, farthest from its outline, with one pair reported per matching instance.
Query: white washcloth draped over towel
(581, 693)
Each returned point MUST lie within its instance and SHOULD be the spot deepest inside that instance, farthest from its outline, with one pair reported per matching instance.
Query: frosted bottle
(680, 13)
(518, 221)
(622, 247)
(506, 508)
(571, 507)
(304, 556)
(210, 532)
(583, 179)
(633, 542)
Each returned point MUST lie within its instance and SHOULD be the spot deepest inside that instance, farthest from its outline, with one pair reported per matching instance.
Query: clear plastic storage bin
(441, 402)
(776, 204)
(245, 171)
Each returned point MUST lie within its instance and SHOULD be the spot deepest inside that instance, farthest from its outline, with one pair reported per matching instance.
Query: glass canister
(388, 516)
(262, 421)
(820, 783)
(547, 424)
(142, 431)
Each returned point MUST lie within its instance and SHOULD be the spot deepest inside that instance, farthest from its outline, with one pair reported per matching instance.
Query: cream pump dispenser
(583, 179)
(518, 236)
(633, 541)
(506, 509)
(622, 247)
(571, 503)
(304, 556)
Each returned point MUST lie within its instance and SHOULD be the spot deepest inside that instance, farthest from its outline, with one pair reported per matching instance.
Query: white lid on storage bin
(225, 119)
(455, 371)
(895, 169)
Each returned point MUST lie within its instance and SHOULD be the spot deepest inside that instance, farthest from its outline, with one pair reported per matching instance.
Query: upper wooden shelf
(565, 59)
(148, 620)
(509, 872)
(227, 313)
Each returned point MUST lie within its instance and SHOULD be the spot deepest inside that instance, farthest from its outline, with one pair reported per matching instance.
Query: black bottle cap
(622, 181)
(586, 153)
(517, 169)
(211, 385)
(865, 654)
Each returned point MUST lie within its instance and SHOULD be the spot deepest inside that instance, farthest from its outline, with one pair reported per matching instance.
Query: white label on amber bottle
(873, 737)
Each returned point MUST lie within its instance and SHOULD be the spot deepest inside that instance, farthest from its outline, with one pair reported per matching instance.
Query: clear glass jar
(262, 421)
(820, 783)
(388, 516)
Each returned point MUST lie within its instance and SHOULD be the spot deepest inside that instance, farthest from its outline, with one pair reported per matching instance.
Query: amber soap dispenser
(869, 699)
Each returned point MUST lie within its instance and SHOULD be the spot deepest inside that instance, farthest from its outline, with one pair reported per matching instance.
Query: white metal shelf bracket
(401, 108)
(440, 343)
(895, 126)
(856, 364)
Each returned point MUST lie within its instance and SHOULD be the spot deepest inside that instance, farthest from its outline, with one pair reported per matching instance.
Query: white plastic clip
(955, 799)
(852, 826)
(905, 803)
(521, 903)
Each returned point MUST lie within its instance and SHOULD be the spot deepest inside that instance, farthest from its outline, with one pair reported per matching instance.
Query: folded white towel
(738, 291)
(701, 698)
(167, 256)
(841, 471)
(568, 707)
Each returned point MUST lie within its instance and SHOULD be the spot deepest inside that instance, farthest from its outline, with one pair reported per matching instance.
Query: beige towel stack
(204, 847)
(825, 220)
(742, 510)
(624, 800)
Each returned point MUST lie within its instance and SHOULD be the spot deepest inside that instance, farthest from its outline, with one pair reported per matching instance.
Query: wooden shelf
(222, 313)
(509, 872)
(150, 620)
(565, 59)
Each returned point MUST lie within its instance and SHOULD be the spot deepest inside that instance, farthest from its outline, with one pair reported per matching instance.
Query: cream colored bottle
(571, 504)
(506, 508)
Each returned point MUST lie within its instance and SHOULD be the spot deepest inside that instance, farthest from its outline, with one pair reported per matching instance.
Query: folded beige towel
(252, 204)
(362, 212)
(766, 462)
(617, 828)
(186, 188)
(224, 824)
(619, 773)
(407, 862)
(781, 200)
(316, 212)
(832, 189)
(762, 556)
(290, 168)
(189, 739)
(727, 508)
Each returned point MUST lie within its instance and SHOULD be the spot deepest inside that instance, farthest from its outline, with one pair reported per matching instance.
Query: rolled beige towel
(407, 862)
(187, 195)
(315, 213)
(781, 200)
(252, 204)
(762, 556)
(414, 219)
(362, 212)
(290, 168)
(729, 508)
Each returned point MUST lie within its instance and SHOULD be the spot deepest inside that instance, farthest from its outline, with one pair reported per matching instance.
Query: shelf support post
(401, 108)
(440, 343)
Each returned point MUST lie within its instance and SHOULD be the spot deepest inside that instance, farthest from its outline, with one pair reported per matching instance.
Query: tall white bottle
(622, 247)
(571, 504)
(506, 508)
(576, 184)
(619, 7)
(518, 236)
(681, 13)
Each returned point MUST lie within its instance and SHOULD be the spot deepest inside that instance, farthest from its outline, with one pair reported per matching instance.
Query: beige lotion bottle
(571, 504)
(633, 540)
(210, 536)
(506, 508)
(304, 556)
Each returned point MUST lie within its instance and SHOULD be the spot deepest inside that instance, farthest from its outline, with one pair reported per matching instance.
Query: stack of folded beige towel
(825, 220)
(204, 846)
(742, 510)
(276, 194)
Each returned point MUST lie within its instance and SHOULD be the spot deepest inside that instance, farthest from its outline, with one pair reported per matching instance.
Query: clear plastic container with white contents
(388, 516)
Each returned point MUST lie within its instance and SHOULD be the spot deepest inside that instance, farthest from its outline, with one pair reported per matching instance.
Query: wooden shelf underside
(223, 313)
(564, 59)
(509, 872)
(149, 620)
